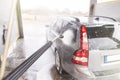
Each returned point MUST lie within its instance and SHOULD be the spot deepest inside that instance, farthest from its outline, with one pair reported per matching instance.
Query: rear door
(104, 47)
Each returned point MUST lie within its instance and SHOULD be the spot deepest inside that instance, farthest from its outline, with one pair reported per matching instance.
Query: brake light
(83, 37)
(80, 56)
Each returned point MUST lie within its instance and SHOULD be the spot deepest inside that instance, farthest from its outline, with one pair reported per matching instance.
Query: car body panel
(104, 42)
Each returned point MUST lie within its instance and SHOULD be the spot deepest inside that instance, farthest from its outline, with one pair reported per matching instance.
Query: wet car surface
(90, 46)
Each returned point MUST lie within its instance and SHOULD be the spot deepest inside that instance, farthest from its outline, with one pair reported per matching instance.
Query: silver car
(89, 48)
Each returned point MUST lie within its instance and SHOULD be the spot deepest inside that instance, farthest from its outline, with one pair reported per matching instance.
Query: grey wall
(110, 9)
(5, 6)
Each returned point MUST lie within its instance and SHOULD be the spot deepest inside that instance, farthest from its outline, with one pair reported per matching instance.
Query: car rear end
(99, 54)
(104, 51)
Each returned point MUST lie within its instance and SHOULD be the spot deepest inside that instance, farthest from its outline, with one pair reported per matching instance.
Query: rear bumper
(107, 77)
(84, 74)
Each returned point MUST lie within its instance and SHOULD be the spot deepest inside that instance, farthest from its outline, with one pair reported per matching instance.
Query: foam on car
(68, 39)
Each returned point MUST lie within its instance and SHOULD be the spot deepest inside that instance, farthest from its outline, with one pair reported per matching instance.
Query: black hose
(17, 72)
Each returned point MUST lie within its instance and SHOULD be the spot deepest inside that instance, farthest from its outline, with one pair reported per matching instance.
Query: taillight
(80, 56)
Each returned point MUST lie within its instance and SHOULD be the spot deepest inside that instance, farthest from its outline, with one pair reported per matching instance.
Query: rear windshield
(104, 37)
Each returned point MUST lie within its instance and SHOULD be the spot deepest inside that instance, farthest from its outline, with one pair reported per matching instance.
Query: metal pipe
(19, 19)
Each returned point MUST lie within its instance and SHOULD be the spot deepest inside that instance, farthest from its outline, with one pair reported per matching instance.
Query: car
(89, 48)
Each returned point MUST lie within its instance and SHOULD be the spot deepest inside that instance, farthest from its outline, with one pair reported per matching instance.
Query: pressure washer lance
(18, 71)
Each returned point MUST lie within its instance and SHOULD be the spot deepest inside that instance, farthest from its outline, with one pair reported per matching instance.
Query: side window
(100, 31)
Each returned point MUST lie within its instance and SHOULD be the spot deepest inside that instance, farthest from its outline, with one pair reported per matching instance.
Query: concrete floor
(43, 68)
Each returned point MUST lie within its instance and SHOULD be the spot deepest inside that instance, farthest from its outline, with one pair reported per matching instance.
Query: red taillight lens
(83, 37)
(83, 28)
(80, 56)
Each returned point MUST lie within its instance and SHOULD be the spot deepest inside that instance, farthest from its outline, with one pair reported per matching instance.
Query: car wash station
(59, 39)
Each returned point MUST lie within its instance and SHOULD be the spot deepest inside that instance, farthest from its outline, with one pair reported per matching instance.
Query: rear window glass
(104, 37)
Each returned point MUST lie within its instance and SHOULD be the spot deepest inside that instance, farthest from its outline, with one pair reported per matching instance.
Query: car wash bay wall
(110, 9)
(5, 14)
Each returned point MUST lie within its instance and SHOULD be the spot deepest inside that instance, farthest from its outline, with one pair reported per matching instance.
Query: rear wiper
(105, 17)
(116, 40)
